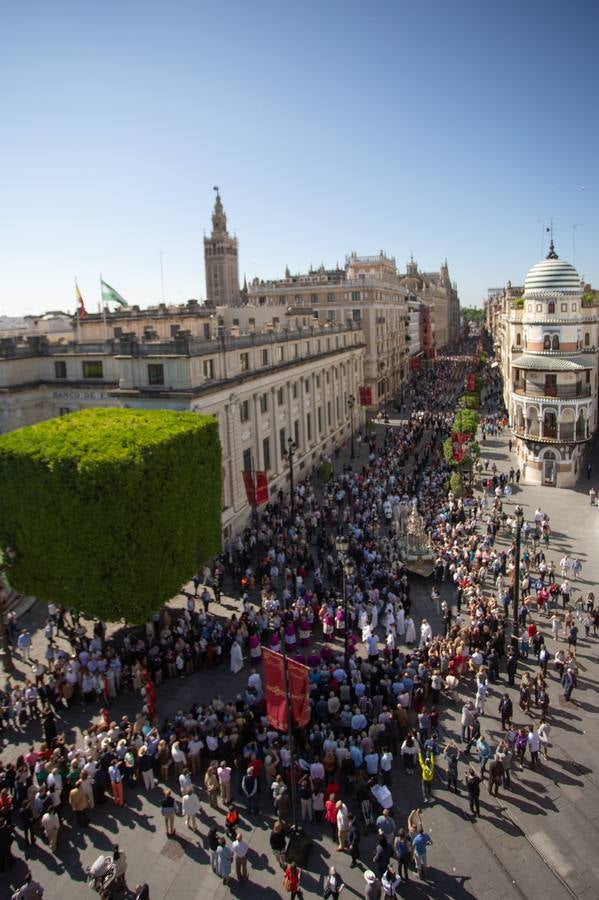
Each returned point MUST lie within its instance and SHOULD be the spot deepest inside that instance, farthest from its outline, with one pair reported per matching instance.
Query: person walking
(333, 884)
(342, 824)
(427, 770)
(390, 882)
(420, 843)
(496, 774)
(372, 889)
(240, 850)
(568, 683)
(506, 711)
(168, 810)
(224, 860)
(278, 842)
(30, 890)
(473, 785)
(484, 752)
(291, 881)
(249, 787)
(353, 840)
(402, 850)
(116, 782)
(51, 826)
(190, 808)
(79, 804)
(451, 754)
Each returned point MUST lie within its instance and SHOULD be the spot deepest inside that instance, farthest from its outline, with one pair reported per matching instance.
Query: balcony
(561, 392)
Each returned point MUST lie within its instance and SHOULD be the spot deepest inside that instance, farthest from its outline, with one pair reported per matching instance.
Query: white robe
(410, 632)
(236, 658)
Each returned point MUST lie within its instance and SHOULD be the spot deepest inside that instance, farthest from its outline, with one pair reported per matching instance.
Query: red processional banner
(299, 690)
(458, 439)
(274, 689)
(250, 490)
(471, 382)
(261, 487)
(365, 396)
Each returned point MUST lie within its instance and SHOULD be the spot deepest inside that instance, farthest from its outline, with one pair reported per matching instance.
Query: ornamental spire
(552, 254)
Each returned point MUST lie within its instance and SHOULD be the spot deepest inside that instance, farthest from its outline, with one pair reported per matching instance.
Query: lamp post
(288, 455)
(347, 570)
(351, 402)
(519, 513)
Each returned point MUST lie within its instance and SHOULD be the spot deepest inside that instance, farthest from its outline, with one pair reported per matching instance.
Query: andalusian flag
(109, 295)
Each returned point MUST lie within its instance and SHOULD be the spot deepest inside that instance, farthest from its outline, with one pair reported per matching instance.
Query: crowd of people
(381, 689)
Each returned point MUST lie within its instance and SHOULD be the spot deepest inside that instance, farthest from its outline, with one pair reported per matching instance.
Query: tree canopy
(110, 510)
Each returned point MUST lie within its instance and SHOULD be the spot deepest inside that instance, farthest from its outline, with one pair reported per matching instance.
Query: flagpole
(78, 314)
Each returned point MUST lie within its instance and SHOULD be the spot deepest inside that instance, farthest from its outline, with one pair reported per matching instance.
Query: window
(551, 307)
(174, 330)
(266, 453)
(60, 369)
(282, 442)
(309, 426)
(356, 315)
(319, 411)
(547, 343)
(206, 332)
(295, 351)
(330, 298)
(314, 298)
(574, 307)
(235, 321)
(244, 410)
(555, 342)
(587, 340)
(208, 368)
(296, 433)
(155, 373)
(244, 360)
(307, 385)
(564, 307)
(518, 339)
(265, 357)
(539, 307)
(247, 460)
(263, 403)
(318, 381)
(587, 376)
(93, 369)
(294, 390)
(355, 295)
(280, 397)
(329, 415)
(331, 314)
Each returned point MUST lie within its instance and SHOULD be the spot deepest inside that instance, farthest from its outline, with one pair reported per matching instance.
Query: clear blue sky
(443, 129)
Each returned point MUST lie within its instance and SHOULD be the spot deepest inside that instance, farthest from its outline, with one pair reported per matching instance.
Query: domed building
(553, 374)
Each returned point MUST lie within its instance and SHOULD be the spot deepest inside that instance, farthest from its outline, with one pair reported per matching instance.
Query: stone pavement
(537, 840)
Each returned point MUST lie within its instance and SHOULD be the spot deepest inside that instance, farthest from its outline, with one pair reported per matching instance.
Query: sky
(455, 131)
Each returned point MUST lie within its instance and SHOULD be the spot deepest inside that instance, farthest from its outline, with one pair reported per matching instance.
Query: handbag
(287, 884)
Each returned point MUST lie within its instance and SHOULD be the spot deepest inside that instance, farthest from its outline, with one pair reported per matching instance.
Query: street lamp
(519, 513)
(351, 402)
(348, 569)
(288, 455)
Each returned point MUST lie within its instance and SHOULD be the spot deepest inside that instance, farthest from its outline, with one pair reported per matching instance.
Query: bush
(469, 401)
(466, 420)
(455, 484)
(110, 510)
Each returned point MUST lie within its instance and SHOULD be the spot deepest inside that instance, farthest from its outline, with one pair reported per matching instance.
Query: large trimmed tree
(110, 510)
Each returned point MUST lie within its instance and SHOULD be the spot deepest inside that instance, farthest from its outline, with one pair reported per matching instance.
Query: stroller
(101, 877)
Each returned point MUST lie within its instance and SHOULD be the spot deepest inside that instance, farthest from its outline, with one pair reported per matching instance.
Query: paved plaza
(536, 840)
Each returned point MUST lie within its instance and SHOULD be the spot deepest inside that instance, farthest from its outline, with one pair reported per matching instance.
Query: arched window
(551, 307)
(555, 342)
(587, 339)
(547, 343)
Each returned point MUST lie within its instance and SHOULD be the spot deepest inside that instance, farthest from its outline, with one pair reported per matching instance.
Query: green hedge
(469, 401)
(466, 420)
(455, 484)
(110, 510)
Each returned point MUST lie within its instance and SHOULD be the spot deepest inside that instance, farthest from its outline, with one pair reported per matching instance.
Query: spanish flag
(81, 311)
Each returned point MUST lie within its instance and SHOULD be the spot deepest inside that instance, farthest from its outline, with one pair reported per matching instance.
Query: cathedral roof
(552, 276)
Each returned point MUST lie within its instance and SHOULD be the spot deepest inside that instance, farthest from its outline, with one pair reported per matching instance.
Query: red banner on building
(299, 690)
(274, 689)
(365, 396)
(471, 382)
(261, 487)
(250, 490)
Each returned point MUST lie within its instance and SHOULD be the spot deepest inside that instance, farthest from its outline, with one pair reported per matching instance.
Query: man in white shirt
(240, 851)
(224, 778)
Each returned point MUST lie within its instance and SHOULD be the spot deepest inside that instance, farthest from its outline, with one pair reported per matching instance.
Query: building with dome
(547, 340)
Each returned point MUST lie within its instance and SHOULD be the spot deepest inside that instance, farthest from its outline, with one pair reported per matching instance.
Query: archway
(549, 423)
(550, 458)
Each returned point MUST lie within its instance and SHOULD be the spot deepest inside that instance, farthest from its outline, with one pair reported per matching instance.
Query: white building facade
(550, 372)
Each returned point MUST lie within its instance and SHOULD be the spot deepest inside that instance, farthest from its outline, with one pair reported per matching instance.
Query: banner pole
(292, 785)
